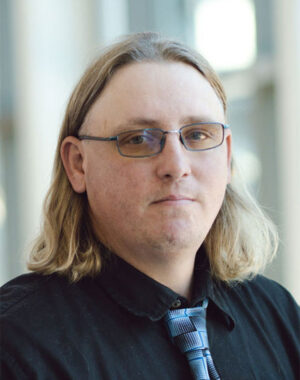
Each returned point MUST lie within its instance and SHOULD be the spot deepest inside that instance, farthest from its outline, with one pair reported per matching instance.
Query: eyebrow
(139, 121)
(197, 119)
(152, 123)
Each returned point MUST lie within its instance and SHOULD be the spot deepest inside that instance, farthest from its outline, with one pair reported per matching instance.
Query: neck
(172, 270)
(177, 276)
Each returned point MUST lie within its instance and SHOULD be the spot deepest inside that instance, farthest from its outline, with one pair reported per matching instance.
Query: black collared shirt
(111, 327)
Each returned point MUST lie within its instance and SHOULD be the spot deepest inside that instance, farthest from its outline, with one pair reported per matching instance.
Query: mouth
(174, 200)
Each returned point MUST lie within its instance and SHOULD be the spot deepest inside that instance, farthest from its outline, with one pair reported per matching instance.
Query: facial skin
(154, 212)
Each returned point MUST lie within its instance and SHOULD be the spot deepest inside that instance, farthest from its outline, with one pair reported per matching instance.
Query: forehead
(167, 93)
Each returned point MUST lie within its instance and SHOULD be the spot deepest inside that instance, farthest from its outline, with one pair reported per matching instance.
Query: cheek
(114, 187)
(212, 174)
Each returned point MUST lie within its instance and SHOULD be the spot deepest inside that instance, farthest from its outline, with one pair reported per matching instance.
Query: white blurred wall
(287, 69)
(52, 42)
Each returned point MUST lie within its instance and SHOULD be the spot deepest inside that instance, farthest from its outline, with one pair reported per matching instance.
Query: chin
(177, 240)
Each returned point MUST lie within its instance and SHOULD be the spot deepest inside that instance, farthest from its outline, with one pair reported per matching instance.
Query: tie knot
(187, 327)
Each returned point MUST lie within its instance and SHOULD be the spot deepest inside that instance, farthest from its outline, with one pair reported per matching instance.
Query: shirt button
(176, 304)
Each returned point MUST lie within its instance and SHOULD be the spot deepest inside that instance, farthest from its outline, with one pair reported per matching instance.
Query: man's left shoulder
(268, 296)
(267, 288)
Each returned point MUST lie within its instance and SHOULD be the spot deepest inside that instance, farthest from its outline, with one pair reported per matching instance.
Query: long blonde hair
(242, 239)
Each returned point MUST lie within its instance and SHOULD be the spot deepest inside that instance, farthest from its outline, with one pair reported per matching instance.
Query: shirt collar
(143, 296)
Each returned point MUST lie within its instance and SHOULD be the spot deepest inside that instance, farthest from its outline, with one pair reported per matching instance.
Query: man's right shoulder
(21, 291)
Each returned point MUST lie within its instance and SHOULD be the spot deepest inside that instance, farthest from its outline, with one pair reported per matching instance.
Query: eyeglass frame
(162, 141)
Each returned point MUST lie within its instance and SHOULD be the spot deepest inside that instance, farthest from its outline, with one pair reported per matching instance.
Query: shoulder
(38, 315)
(34, 297)
(263, 288)
(26, 290)
(19, 289)
(266, 297)
(34, 301)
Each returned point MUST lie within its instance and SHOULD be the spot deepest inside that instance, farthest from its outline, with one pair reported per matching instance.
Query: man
(143, 229)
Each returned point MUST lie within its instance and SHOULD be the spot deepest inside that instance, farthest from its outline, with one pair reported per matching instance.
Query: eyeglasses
(149, 142)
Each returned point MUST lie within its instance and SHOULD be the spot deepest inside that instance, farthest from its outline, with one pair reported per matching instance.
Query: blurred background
(45, 45)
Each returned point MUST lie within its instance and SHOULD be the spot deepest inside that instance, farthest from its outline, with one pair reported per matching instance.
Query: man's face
(150, 208)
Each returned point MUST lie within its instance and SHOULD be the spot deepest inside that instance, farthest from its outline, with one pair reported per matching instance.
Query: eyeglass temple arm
(85, 137)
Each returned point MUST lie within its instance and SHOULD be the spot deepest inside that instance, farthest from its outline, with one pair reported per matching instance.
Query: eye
(139, 139)
(135, 138)
(196, 135)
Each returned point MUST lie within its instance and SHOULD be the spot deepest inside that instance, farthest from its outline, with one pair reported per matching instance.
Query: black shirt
(111, 327)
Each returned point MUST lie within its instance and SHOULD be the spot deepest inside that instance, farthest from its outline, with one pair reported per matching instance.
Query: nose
(173, 162)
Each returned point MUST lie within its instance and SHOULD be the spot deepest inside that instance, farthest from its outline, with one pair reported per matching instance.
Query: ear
(228, 141)
(72, 156)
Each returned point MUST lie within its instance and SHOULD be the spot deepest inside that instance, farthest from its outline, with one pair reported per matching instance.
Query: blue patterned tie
(187, 327)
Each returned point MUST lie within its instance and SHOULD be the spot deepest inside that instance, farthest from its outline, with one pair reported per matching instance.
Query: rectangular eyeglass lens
(203, 136)
(140, 142)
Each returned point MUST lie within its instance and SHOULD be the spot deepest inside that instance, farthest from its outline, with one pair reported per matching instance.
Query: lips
(174, 198)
